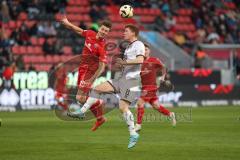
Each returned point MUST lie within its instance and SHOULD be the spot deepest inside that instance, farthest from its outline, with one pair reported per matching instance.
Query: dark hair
(146, 45)
(133, 28)
(108, 24)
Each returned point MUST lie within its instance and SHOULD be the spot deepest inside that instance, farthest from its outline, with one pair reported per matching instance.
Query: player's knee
(140, 103)
(123, 108)
(81, 99)
(155, 106)
(98, 89)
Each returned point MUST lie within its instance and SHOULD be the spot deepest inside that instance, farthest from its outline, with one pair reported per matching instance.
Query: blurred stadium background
(199, 41)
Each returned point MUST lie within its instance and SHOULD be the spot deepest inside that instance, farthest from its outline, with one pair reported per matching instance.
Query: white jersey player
(133, 57)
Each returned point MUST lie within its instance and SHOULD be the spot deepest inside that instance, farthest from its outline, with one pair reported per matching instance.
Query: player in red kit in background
(8, 75)
(151, 68)
(60, 85)
(91, 66)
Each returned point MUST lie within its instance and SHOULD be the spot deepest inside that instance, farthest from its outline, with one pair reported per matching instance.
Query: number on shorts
(127, 93)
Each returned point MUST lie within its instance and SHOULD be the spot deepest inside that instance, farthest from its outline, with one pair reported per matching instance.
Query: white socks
(128, 117)
(90, 101)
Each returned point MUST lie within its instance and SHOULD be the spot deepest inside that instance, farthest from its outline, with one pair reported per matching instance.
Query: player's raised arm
(140, 54)
(71, 26)
(162, 70)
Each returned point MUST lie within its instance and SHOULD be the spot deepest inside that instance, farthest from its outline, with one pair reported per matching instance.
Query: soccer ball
(126, 11)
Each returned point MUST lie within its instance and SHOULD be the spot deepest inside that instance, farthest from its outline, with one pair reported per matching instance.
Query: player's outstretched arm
(138, 60)
(71, 26)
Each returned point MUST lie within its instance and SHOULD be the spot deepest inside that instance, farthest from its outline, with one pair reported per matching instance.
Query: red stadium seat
(42, 59)
(58, 16)
(157, 11)
(49, 59)
(184, 12)
(12, 24)
(86, 17)
(26, 59)
(47, 67)
(117, 26)
(41, 41)
(56, 59)
(82, 2)
(38, 50)
(67, 50)
(115, 18)
(8, 32)
(191, 35)
(137, 11)
(30, 23)
(16, 50)
(34, 41)
(147, 19)
(23, 50)
(30, 50)
(22, 16)
(19, 23)
(190, 27)
(78, 2)
(35, 59)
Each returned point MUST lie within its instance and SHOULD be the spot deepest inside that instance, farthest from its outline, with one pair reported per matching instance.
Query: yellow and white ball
(126, 11)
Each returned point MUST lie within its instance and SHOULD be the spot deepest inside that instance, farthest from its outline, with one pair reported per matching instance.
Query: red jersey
(93, 51)
(61, 80)
(150, 67)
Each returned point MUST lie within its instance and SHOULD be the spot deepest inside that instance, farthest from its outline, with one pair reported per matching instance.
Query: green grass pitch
(212, 134)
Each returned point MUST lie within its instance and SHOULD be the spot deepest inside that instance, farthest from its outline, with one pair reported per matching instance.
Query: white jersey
(133, 50)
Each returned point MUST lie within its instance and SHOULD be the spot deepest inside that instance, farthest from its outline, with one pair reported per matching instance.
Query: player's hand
(169, 84)
(167, 77)
(119, 61)
(64, 20)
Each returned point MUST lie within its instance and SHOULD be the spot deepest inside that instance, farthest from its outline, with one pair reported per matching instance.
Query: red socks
(97, 110)
(164, 111)
(140, 113)
(64, 106)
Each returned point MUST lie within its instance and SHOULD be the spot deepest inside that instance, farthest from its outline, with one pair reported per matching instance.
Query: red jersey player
(61, 90)
(92, 64)
(149, 72)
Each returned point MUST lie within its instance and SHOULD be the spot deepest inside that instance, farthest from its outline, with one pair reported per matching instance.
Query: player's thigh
(155, 104)
(124, 105)
(104, 87)
(140, 102)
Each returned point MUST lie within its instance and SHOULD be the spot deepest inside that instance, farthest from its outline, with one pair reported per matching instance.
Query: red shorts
(84, 74)
(149, 94)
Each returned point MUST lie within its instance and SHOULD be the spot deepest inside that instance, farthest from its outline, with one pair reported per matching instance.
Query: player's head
(147, 50)
(104, 29)
(130, 32)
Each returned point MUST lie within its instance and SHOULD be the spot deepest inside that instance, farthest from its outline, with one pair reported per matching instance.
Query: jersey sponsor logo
(95, 46)
(127, 93)
(83, 84)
